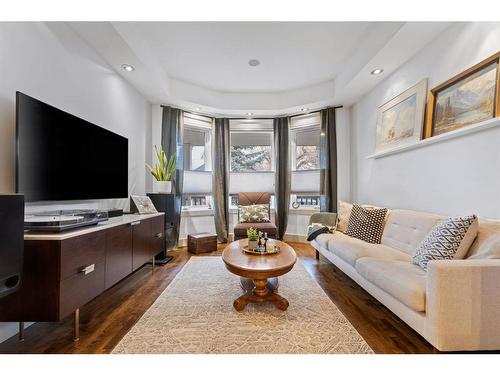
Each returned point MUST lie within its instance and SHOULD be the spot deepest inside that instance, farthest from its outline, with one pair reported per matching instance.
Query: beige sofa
(455, 305)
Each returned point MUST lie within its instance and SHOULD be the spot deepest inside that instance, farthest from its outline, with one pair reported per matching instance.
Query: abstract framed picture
(468, 98)
(400, 120)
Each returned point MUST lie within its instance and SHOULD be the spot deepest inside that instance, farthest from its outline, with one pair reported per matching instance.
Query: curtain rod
(254, 118)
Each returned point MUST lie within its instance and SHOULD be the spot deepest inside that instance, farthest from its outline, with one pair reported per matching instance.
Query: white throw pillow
(487, 228)
(490, 248)
(449, 239)
(344, 213)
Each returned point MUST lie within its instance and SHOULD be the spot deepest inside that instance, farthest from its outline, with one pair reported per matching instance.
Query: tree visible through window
(250, 158)
(251, 151)
(307, 157)
(307, 141)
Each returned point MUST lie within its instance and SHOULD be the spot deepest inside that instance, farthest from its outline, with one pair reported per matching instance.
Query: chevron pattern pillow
(449, 239)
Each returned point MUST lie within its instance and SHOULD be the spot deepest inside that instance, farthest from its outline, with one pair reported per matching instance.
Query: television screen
(63, 157)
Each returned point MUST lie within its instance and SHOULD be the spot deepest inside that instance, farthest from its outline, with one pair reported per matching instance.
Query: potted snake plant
(253, 238)
(163, 171)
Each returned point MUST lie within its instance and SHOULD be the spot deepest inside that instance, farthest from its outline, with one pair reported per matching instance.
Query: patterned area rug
(195, 315)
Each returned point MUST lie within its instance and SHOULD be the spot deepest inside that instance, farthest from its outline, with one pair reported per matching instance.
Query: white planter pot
(164, 187)
(252, 245)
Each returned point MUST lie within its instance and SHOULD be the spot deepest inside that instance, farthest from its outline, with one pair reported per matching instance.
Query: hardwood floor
(106, 319)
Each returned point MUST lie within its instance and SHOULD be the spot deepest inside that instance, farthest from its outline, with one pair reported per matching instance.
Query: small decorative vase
(252, 245)
(164, 187)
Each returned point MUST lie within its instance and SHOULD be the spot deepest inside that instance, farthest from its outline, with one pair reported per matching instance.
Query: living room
(243, 185)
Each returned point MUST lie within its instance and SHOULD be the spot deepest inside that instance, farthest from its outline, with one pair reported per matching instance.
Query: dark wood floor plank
(106, 319)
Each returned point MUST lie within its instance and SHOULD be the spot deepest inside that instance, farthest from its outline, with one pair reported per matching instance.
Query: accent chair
(251, 198)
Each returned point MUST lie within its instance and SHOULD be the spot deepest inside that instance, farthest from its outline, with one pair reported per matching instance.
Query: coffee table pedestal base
(258, 291)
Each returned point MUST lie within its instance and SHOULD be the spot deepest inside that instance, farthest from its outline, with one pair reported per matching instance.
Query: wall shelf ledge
(480, 126)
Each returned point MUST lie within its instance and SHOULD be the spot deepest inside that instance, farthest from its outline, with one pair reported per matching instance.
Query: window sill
(234, 210)
(198, 211)
(304, 211)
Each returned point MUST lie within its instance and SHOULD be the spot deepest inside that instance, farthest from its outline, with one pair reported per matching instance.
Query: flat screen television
(63, 157)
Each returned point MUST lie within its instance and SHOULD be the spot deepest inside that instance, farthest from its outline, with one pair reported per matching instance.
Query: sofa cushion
(404, 229)
(449, 239)
(324, 238)
(401, 279)
(351, 249)
(367, 224)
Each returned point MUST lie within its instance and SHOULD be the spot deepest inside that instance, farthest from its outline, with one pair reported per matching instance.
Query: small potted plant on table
(253, 238)
(163, 171)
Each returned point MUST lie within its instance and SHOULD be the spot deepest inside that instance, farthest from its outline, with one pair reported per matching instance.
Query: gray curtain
(328, 161)
(171, 141)
(282, 183)
(220, 178)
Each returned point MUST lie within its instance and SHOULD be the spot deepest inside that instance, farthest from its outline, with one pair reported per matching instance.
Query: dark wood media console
(64, 271)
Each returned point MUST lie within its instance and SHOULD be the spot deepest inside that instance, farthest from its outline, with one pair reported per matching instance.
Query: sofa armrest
(325, 218)
(463, 304)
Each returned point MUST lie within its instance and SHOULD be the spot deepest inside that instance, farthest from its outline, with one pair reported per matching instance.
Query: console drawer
(79, 289)
(82, 251)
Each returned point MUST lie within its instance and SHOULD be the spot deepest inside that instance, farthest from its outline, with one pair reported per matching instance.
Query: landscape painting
(468, 101)
(400, 120)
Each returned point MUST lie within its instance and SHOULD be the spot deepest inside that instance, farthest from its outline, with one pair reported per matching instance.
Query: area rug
(195, 315)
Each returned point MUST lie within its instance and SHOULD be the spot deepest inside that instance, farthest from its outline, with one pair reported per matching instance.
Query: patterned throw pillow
(449, 239)
(366, 224)
(255, 213)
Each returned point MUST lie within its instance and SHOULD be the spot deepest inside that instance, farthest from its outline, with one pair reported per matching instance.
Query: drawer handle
(159, 235)
(88, 269)
(135, 223)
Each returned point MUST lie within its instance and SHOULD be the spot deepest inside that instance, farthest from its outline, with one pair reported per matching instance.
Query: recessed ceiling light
(198, 109)
(376, 71)
(249, 113)
(253, 62)
(304, 109)
(128, 68)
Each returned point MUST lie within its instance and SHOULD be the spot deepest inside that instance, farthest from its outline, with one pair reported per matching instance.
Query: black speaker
(11, 242)
(164, 203)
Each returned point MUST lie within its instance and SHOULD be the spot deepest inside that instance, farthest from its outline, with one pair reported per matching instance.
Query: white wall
(344, 153)
(51, 63)
(458, 176)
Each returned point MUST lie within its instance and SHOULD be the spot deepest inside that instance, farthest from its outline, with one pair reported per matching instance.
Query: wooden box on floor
(202, 243)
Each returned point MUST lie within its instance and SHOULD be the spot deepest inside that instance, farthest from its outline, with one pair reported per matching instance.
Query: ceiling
(216, 55)
(302, 64)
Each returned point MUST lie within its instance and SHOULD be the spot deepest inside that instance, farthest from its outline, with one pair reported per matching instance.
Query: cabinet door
(158, 233)
(142, 237)
(118, 253)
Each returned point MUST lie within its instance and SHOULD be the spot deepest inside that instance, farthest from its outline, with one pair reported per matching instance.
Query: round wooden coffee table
(259, 273)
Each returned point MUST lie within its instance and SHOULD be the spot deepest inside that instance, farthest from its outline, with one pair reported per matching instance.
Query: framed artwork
(468, 98)
(142, 205)
(400, 120)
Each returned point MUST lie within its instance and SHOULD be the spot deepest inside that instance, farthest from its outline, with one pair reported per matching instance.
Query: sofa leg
(317, 255)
